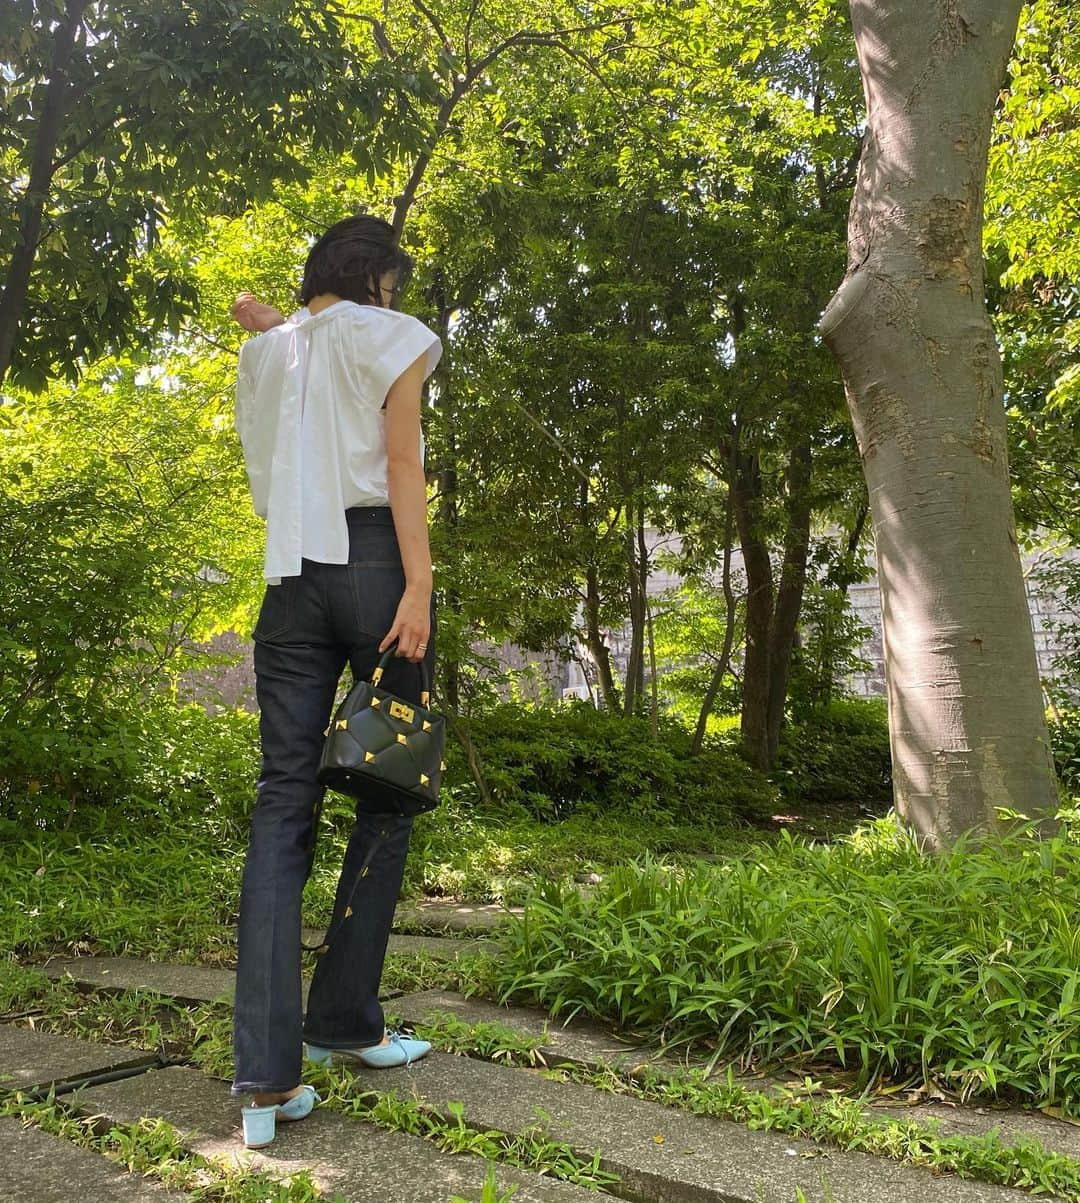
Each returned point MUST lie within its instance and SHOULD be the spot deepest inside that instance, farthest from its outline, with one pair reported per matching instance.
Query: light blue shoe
(260, 1123)
(402, 1050)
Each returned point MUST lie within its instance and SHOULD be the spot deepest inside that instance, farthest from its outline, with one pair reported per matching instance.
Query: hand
(253, 315)
(412, 625)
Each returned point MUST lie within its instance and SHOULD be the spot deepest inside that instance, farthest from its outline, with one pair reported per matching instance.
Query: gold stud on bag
(385, 751)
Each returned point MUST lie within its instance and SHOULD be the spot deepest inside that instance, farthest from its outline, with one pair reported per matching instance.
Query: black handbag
(384, 752)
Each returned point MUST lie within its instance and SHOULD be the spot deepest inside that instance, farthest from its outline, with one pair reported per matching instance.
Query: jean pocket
(377, 587)
(276, 611)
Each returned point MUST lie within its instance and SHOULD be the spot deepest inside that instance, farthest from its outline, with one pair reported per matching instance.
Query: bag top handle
(425, 682)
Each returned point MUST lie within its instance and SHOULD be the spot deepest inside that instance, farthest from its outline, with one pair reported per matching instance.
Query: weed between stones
(153, 1147)
(202, 1035)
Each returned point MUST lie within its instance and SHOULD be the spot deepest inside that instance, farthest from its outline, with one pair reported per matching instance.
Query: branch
(552, 438)
(466, 37)
(212, 341)
(381, 40)
(440, 32)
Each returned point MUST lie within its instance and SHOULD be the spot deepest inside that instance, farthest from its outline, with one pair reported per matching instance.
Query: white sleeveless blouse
(309, 397)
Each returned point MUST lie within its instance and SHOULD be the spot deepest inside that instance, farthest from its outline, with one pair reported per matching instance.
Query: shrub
(574, 759)
(1065, 742)
(130, 759)
(838, 754)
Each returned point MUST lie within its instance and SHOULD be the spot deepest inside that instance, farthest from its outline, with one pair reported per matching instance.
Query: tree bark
(447, 488)
(844, 577)
(633, 687)
(923, 380)
(32, 205)
(789, 594)
(746, 497)
(723, 664)
(595, 640)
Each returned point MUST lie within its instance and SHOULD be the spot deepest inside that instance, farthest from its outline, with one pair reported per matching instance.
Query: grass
(962, 969)
(858, 962)
(153, 1148)
(137, 892)
(807, 1109)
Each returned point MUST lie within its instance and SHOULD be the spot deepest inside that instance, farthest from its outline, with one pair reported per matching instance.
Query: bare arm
(253, 315)
(407, 488)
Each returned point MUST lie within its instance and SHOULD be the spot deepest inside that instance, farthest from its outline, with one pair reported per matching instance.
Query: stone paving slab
(37, 1167)
(366, 1164)
(31, 1060)
(580, 1041)
(585, 1042)
(185, 983)
(431, 915)
(447, 947)
(667, 1154)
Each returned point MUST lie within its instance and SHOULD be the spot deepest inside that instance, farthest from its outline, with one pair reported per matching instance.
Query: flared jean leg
(295, 686)
(343, 1008)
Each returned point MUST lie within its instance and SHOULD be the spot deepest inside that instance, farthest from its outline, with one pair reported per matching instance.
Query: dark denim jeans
(308, 627)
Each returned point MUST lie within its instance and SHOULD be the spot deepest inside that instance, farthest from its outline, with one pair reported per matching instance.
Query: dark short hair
(351, 257)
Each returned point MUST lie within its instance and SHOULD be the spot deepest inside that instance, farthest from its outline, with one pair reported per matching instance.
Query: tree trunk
(923, 382)
(635, 667)
(746, 497)
(32, 205)
(845, 576)
(789, 594)
(723, 664)
(595, 640)
(447, 488)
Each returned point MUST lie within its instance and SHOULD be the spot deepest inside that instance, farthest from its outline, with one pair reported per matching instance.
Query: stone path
(581, 1042)
(39, 1168)
(365, 1163)
(661, 1154)
(433, 916)
(32, 1060)
(200, 983)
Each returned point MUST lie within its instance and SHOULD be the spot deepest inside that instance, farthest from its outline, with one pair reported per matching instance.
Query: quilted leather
(402, 752)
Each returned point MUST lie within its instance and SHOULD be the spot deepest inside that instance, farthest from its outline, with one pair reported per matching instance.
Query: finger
(389, 638)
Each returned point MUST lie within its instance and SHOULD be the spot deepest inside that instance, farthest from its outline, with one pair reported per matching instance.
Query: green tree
(118, 114)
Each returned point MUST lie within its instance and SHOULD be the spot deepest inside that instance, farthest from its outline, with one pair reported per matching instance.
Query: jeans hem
(342, 1044)
(239, 1088)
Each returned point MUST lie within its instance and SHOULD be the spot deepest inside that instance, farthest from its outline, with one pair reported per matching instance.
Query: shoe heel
(317, 1055)
(259, 1126)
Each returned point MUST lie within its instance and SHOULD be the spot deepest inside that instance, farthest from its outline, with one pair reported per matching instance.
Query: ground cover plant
(960, 969)
(173, 892)
(200, 1035)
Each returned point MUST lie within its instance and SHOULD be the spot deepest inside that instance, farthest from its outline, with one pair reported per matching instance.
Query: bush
(141, 758)
(1065, 742)
(839, 754)
(150, 758)
(959, 968)
(551, 763)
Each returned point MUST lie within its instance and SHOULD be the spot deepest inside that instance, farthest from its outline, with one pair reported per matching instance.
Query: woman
(328, 414)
